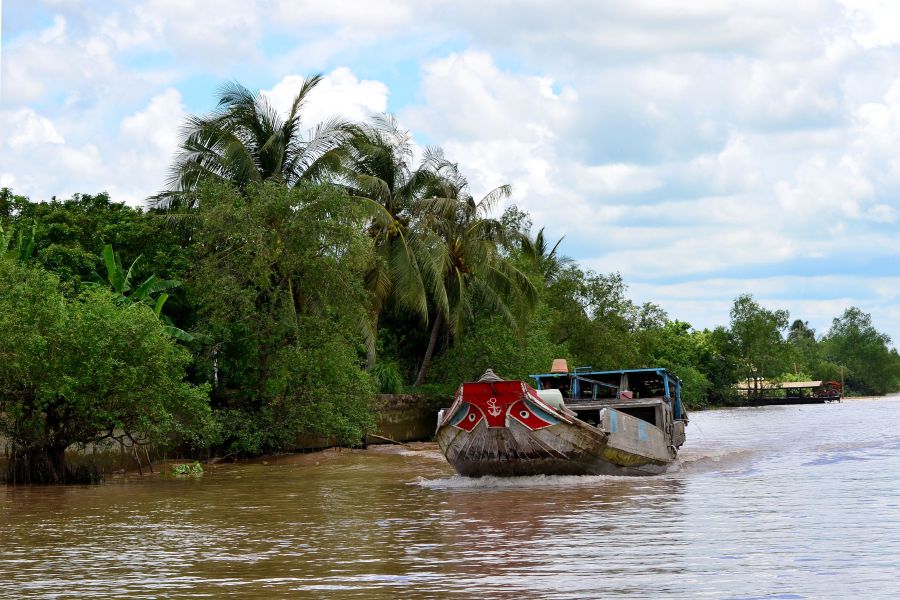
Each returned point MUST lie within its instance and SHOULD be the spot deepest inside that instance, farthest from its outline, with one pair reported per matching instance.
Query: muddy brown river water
(776, 502)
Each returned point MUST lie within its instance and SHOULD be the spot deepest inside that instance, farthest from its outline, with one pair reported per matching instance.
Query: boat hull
(619, 445)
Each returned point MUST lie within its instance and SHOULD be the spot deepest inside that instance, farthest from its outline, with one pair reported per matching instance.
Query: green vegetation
(278, 287)
(184, 469)
(76, 370)
(313, 272)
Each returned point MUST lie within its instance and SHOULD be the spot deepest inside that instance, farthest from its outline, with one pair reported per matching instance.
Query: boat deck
(592, 403)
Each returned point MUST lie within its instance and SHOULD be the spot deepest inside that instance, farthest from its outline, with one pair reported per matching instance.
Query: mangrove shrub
(78, 370)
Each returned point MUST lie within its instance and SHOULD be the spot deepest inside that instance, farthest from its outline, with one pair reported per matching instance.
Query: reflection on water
(784, 502)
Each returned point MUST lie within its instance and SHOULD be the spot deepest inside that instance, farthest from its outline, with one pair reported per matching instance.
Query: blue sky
(702, 150)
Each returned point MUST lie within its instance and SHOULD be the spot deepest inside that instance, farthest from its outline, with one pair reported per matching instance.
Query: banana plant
(25, 245)
(151, 292)
(5, 239)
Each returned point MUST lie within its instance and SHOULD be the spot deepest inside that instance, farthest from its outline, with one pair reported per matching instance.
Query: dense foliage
(303, 273)
(75, 370)
(278, 284)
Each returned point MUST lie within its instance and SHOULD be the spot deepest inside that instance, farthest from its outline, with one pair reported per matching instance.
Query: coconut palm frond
(408, 287)
(246, 140)
(321, 154)
(308, 85)
(492, 198)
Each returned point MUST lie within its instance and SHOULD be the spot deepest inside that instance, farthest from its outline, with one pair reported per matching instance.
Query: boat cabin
(652, 395)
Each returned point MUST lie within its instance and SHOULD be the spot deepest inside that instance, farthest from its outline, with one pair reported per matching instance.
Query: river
(783, 502)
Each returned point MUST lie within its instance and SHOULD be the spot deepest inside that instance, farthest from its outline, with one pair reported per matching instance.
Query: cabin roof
(787, 385)
(657, 370)
(793, 385)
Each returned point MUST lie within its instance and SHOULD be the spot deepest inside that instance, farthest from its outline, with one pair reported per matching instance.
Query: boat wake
(696, 460)
(458, 482)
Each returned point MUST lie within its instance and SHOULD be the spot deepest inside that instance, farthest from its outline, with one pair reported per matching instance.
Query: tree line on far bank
(282, 279)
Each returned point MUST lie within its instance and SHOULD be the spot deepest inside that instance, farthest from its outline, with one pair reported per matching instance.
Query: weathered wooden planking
(623, 445)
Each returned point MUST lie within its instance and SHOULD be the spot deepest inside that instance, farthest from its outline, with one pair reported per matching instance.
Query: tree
(758, 334)
(806, 354)
(246, 141)
(69, 236)
(595, 318)
(674, 345)
(379, 174)
(853, 341)
(10, 204)
(800, 332)
(473, 268)
(547, 260)
(279, 286)
(75, 371)
(720, 362)
(489, 342)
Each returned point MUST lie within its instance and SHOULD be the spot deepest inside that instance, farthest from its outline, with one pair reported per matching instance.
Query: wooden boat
(628, 422)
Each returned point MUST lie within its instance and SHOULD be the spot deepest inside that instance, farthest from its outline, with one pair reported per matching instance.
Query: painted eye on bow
(471, 416)
(524, 414)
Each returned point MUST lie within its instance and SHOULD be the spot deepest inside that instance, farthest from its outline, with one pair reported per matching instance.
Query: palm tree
(378, 172)
(547, 261)
(245, 140)
(473, 266)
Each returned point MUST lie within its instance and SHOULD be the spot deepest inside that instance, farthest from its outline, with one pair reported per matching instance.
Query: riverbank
(406, 419)
(400, 418)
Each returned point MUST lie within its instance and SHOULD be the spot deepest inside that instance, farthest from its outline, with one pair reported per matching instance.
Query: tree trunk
(43, 465)
(370, 357)
(372, 348)
(429, 352)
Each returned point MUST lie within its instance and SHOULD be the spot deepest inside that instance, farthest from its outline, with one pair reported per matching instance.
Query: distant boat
(585, 422)
(764, 393)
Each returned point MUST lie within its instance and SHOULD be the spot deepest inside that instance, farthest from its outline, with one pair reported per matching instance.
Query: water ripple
(775, 502)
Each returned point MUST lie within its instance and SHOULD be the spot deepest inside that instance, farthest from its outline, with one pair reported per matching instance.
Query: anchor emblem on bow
(493, 409)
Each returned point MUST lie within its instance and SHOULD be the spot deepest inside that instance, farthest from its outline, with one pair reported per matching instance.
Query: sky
(702, 149)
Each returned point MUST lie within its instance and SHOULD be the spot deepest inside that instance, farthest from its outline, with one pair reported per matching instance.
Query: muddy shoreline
(408, 420)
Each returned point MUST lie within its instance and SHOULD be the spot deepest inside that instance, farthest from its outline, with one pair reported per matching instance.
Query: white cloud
(148, 142)
(584, 31)
(24, 128)
(823, 188)
(614, 179)
(131, 164)
(502, 128)
(873, 22)
(340, 93)
(734, 167)
(675, 251)
(769, 193)
(468, 97)
(369, 15)
(156, 127)
(54, 34)
(215, 36)
(707, 302)
(54, 62)
(718, 136)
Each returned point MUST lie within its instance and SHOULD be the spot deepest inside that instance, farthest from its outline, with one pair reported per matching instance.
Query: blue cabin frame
(671, 383)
